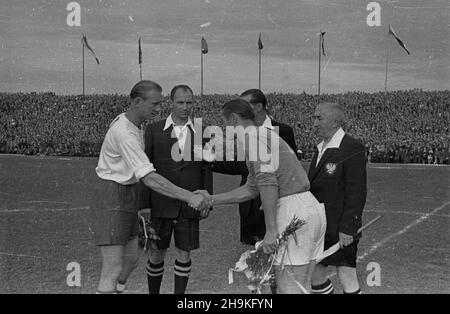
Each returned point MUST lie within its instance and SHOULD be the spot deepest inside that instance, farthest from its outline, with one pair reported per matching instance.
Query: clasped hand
(201, 201)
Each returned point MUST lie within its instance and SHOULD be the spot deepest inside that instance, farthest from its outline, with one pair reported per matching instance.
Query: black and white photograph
(224, 151)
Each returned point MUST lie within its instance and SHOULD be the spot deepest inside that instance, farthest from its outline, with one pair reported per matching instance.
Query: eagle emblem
(331, 168)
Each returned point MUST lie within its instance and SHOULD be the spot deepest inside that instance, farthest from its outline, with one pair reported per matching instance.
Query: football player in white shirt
(122, 164)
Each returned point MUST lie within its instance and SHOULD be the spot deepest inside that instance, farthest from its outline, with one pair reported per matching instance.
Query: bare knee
(348, 278)
(183, 256)
(112, 267)
(319, 275)
(346, 273)
(157, 256)
(292, 280)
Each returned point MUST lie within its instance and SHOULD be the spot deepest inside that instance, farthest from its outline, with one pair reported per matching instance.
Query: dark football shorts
(344, 257)
(185, 231)
(115, 213)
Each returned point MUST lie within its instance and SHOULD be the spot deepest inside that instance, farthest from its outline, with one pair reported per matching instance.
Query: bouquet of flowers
(258, 266)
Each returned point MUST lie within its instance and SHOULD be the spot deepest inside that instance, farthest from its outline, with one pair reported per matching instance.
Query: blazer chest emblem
(331, 168)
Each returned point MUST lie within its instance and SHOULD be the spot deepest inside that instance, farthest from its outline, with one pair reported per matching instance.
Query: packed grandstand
(400, 127)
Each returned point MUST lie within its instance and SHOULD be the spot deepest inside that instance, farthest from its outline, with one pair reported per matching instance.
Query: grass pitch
(45, 225)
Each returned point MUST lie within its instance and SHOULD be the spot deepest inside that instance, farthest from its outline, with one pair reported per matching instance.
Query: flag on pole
(400, 42)
(85, 44)
(260, 45)
(204, 46)
(322, 40)
(140, 51)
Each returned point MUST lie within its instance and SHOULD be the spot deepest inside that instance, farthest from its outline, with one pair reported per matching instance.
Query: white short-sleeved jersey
(122, 157)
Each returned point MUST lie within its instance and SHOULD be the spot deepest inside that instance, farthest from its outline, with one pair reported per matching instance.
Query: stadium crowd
(403, 127)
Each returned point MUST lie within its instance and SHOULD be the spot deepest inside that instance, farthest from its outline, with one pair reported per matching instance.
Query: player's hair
(142, 87)
(183, 87)
(256, 96)
(335, 109)
(240, 107)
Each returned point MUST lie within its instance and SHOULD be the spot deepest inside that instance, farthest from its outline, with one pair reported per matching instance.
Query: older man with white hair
(338, 179)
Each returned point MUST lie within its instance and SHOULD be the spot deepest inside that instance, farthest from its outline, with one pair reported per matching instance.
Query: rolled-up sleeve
(134, 155)
(261, 178)
(263, 168)
(266, 178)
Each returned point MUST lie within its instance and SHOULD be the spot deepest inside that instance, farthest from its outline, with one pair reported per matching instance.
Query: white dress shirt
(335, 142)
(268, 123)
(122, 157)
(181, 131)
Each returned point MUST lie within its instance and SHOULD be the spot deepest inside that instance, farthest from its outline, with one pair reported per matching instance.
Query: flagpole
(201, 70)
(140, 58)
(387, 64)
(82, 53)
(320, 59)
(259, 85)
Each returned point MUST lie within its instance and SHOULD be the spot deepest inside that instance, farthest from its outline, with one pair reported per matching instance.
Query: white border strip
(402, 231)
(379, 244)
(27, 210)
(404, 212)
(18, 255)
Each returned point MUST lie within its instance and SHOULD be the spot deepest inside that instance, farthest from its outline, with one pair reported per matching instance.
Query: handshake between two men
(202, 201)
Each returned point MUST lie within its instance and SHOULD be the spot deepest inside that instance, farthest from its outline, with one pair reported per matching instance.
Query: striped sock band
(354, 292)
(155, 274)
(182, 269)
(155, 270)
(181, 276)
(325, 288)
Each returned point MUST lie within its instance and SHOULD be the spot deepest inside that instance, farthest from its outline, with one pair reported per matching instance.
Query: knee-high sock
(325, 288)
(155, 274)
(182, 271)
(273, 287)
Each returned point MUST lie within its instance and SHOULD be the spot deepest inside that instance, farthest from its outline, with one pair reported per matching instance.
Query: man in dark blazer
(253, 227)
(171, 146)
(338, 179)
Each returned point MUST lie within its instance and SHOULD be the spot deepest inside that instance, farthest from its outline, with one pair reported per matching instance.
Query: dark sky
(40, 52)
